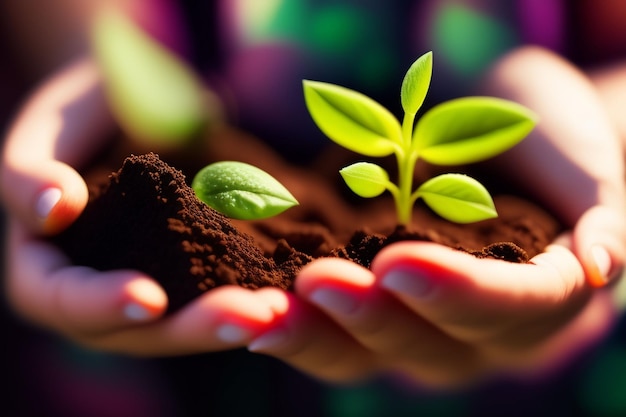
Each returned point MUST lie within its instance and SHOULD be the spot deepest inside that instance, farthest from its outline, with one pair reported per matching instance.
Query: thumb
(600, 244)
(47, 196)
(64, 120)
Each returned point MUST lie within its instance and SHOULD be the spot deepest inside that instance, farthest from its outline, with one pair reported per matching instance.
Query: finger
(309, 341)
(484, 301)
(73, 299)
(46, 196)
(123, 310)
(599, 241)
(226, 317)
(64, 122)
(349, 295)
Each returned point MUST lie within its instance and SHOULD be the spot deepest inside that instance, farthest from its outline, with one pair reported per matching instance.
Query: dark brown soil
(146, 217)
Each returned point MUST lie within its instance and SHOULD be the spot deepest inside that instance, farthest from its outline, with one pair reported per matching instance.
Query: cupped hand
(437, 315)
(573, 162)
(122, 310)
(62, 126)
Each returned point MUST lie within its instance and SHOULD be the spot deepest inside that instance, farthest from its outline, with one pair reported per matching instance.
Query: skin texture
(610, 83)
(439, 317)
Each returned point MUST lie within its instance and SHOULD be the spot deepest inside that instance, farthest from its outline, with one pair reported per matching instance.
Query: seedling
(459, 131)
(241, 191)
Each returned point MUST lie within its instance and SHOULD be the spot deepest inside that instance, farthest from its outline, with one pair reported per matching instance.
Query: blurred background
(253, 54)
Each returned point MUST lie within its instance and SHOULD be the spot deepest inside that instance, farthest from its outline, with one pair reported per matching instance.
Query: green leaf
(471, 129)
(366, 179)
(352, 119)
(457, 198)
(153, 95)
(241, 191)
(416, 82)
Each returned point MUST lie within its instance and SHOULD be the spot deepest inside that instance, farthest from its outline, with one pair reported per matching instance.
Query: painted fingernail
(136, 312)
(232, 333)
(334, 301)
(407, 282)
(46, 201)
(269, 341)
(603, 265)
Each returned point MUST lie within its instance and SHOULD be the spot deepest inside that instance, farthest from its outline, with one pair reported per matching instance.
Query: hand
(573, 162)
(62, 126)
(439, 316)
(443, 317)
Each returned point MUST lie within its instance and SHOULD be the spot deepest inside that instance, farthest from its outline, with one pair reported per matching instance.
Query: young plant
(458, 131)
(241, 191)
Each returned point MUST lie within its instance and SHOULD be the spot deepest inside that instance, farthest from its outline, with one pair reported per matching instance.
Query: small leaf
(457, 198)
(471, 129)
(416, 82)
(352, 119)
(365, 179)
(154, 96)
(241, 191)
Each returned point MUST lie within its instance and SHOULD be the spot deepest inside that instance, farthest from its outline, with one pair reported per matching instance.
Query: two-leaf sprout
(459, 131)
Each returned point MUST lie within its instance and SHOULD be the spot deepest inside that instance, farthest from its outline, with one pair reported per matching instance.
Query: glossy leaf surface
(471, 129)
(241, 191)
(365, 179)
(352, 119)
(457, 198)
(416, 82)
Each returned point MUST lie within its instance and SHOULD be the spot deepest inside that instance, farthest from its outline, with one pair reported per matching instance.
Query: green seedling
(241, 191)
(459, 131)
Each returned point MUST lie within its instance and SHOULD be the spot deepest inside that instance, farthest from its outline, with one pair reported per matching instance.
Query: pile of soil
(146, 217)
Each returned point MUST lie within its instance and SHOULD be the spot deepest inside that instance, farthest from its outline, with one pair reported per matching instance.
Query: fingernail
(46, 201)
(602, 259)
(334, 301)
(148, 299)
(407, 282)
(232, 333)
(136, 312)
(269, 341)
(603, 264)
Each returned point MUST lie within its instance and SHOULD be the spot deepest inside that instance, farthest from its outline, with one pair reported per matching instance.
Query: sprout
(459, 131)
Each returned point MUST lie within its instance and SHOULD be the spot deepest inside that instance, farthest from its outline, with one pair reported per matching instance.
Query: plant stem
(406, 162)
(405, 185)
(407, 131)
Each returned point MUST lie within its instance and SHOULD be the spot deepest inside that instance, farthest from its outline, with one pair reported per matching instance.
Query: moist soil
(144, 216)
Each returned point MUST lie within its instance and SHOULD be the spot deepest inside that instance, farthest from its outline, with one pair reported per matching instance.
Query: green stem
(407, 131)
(405, 184)
(406, 162)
